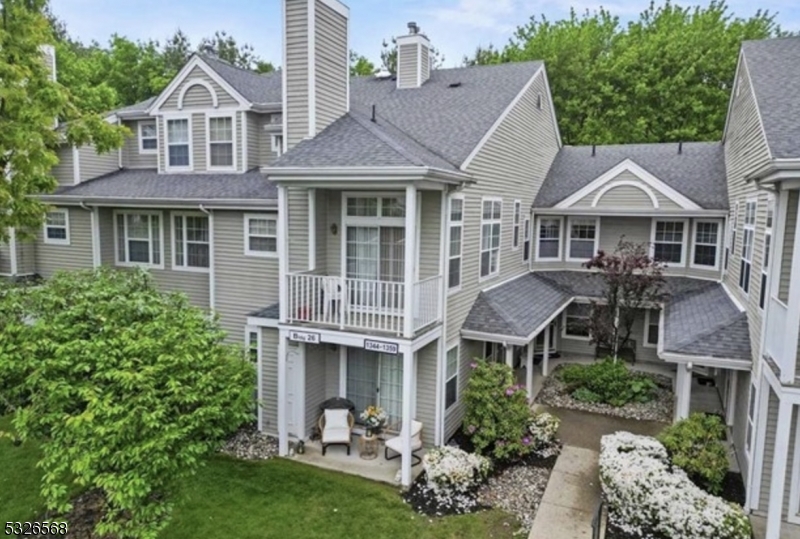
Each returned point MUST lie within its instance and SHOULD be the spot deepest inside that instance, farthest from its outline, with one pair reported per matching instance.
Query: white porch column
(510, 355)
(283, 254)
(529, 370)
(778, 478)
(408, 398)
(788, 364)
(12, 248)
(410, 260)
(683, 391)
(546, 355)
(730, 406)
(283, 426)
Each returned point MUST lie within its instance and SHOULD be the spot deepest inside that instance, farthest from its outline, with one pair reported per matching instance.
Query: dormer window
(178, 151)
(220, 142)
(148, 137)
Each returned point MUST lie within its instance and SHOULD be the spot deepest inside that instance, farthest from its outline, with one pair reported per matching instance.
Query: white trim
(410, 272)
(259, 372)
(645, 341)
(277, 148)
(568, 237)
(448, 238)
(527, 236)
(794, 494)
(760, 436)
(57, 241)
(718, 246)
(76, 165)
(706, 361)
(191, 83)
(94, 219)
(342, 371)
(12, 247)
(312, 229)
(161, 226)
(284, 85)
(780, 457)
(684, 240)
(161, 130)
(516, 227)
(212, 267)
(446, 380)
(139, 125)
(751, 227)
(246, 234)
(245, 157)
(743, 62)
(556, 130)
(468, 161)
(537, 257)
(628, 166)
(221, 114)
(491, 221)
(620, 183)
(283, 433)
(185, 267)
(189, 124)
(665, 213)
(311, 64)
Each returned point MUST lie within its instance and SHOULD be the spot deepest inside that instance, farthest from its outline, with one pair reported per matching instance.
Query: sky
(455, 27)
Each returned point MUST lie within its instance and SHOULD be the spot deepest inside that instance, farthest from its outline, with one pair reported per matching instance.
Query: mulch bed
(87, 510)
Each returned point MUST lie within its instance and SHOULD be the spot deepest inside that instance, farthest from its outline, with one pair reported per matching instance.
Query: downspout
(212, 288)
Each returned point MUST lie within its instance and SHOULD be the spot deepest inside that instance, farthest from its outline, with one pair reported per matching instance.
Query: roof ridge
(500, 308)
(385, 138)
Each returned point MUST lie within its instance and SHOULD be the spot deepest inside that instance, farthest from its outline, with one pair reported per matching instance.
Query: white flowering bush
(543, 429)
(453, 475)
(646, 495)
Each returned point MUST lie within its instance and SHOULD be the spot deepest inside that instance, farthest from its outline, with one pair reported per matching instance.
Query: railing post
(410, 260)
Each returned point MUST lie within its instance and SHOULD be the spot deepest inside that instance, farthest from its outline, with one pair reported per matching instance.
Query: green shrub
(695, 445)
(607, 381)
(498, 414)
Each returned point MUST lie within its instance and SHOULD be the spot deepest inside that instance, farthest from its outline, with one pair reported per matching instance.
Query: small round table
(368, 447)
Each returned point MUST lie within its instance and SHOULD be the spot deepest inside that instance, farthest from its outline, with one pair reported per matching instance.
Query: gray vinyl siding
(745, 151)
(407, 66)
(333, 254)
(788, 245)
(64, 171)
(252, 126)
(198, 137)
(296, 14)
(5, 259)
(265, 131)
(425, 68)
(93, 164)
(323, 229)
(769, 454)
(426, 390)
(269, 380)
(453, 416)
(244, 284)
(26, 257)
(512, 165)
(75, 256)
(131, 158)
(198, 96)
(332, 362)
(740, 420)
(314, 383)
(430, 234)
(628, 196)
(298, 228)
(332, 69)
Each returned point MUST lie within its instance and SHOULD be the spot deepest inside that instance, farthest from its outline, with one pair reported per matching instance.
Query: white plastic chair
(331, 297)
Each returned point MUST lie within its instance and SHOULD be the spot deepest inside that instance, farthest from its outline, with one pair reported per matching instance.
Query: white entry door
(294, 379)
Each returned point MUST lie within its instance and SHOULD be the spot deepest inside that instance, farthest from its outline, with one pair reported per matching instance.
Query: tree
(136, 70)
(226, 48)
(126, 388)
(633, 281)
(176, 51)
(360, 66)
(30, 103)
(389, 56)
(664, 77)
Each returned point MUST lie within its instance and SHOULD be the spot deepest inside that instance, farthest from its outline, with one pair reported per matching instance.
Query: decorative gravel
(517, 490)
(554, 394)
(250, 444)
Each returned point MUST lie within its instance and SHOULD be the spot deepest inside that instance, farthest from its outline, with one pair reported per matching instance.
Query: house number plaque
(382, 347)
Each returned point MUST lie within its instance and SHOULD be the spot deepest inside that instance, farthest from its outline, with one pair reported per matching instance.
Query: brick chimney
(316, 73)
(413, 58)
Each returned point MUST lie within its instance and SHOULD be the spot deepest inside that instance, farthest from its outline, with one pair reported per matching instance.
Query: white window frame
(170, 118)
(277, 144)
(746, 285)
(647, 323)
(684, 241)
(752, 408)
(142, 149)
(56, 241)
(232, 116)
(766, 252)
(447, 379)
(185, 266)
(259, 216)
(516, 231)
(450, 225)
(730, 240)
(568, 237)
(497, 352)
(161, 225)
(526, 239)
(565, 325)
(717, 249)
(537, 256)
(492, 221)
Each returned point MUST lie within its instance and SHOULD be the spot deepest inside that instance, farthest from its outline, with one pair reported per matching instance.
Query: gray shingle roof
(590, 284)
(706, 323)
(149, 184)
(774, 67)
(272, 312)
(137, 108)
(256, 88)
(697, 173)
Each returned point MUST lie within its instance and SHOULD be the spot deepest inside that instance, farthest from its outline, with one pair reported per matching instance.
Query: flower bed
(556, 393)
(648, 497)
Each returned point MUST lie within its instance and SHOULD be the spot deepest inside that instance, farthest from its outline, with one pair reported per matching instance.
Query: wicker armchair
(336, 428)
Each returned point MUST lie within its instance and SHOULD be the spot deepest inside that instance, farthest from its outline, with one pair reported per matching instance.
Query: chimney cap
(413, 28)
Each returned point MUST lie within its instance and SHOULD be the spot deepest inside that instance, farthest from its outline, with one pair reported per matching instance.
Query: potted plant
(374, 419)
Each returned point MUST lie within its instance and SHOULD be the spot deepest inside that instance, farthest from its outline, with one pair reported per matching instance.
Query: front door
(375, 379)
(294, 375)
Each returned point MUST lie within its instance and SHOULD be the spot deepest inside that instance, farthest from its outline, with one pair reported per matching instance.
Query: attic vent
(454, 85)
(539, 101)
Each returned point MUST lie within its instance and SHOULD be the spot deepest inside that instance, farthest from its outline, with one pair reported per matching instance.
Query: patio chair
(396, 444)
(336, 427)
(331, 297)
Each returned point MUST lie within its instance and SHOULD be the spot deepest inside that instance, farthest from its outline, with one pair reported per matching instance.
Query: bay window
(576, 321)
(138, 239)
(669, 238)
(191, 241)
(583, 238)
(491, 224)
(549, 246)
(706, 240)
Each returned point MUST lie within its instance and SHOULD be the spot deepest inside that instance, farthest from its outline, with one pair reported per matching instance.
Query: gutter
(775, 171)
(406, 173)
(82, 201)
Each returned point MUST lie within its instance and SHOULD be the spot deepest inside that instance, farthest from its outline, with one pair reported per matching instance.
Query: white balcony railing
(361, 304)
(776, 333)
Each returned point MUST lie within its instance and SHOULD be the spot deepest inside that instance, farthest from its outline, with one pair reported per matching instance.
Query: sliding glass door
(375, 379)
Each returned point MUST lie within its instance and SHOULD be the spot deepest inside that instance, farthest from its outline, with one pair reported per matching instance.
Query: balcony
(362, 304)
(779, 342)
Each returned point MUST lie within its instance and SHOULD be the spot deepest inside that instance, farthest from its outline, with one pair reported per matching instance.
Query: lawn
(277, 498)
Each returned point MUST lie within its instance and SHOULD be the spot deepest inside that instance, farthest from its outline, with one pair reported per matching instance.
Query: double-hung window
(583, 237)
(179, 155)
(456, 224)
(491, 223)
(669, 238)
(526, 245)
(706, 239)
(260, 235)
(549, 245)
(751, 416)
(191, 242)
(138, 239)
(220, 142)
(148, 137)
(451, 378)
(56, 227)
(517, 224)
(764, 293)
(576, 321)
(748, 237)
(651, 328)
(732, 234)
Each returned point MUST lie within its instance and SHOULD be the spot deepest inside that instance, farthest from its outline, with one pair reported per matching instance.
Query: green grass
(277, 498)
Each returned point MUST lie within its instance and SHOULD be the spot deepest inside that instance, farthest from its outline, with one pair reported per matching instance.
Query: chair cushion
(336, 419)
(396, 444)
(336, 436)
